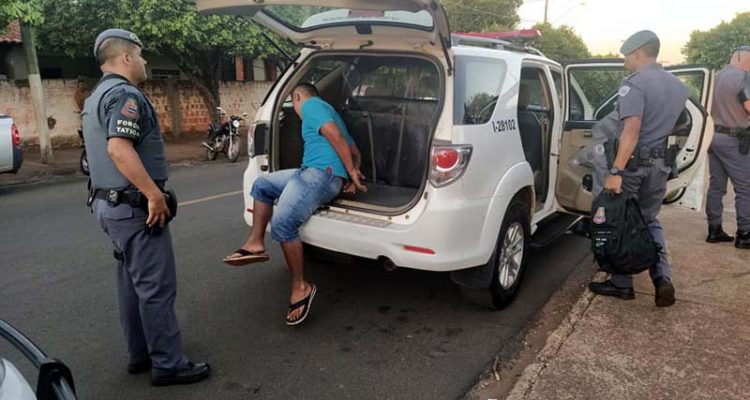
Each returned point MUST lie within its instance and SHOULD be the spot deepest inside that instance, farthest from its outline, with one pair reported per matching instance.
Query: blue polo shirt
(318, 151)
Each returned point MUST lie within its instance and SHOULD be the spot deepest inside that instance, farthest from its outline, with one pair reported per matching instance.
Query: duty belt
(645, 157)
(116, 197)
(733, 132)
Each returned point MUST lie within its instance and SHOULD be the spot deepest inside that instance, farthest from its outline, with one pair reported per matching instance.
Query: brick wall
(64, 117)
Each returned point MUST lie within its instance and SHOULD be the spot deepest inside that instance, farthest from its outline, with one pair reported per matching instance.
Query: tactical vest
(104, 173)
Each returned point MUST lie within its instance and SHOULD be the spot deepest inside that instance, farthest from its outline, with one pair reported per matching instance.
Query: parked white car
(11, 155)
(465, 142)
(53, 382)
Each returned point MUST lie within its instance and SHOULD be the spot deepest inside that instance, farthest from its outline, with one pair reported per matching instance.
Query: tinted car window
(477, 85)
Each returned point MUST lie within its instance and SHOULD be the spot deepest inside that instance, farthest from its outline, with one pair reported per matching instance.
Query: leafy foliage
(560, 44)
(482, 15)
(172, 28)
(26, 11)
(715, 46)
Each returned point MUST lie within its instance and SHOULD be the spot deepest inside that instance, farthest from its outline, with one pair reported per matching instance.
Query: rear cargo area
(390, 105)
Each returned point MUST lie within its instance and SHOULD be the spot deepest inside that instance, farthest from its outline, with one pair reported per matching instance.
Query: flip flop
(245, 258)
(306, 302)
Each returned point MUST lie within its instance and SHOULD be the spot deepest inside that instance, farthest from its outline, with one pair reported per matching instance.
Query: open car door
(345, 24)
(591, 89)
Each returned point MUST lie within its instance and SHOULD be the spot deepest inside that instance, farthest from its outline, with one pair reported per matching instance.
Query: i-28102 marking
(504, 125)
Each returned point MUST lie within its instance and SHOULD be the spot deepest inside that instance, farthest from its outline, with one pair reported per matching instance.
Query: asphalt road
(372, 334)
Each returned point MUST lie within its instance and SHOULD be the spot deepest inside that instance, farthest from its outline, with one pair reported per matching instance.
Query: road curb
(530, 376)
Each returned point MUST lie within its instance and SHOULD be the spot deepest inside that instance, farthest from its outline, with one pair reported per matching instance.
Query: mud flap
(475, 278)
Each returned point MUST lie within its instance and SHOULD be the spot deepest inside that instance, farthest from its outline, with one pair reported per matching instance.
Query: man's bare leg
(262, 213)
(300, 288)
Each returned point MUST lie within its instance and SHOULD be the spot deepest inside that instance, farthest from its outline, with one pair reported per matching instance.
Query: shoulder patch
(624, 90)
(130, 109)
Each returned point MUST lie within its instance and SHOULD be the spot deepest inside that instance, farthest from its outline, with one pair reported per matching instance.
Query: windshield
(305, 18)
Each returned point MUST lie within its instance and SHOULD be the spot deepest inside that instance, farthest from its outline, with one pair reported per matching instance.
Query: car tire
(509, 258)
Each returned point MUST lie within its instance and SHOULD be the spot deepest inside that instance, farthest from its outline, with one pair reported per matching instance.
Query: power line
(583, 3)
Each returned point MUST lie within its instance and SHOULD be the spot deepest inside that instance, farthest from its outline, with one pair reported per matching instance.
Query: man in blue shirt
(331, 161)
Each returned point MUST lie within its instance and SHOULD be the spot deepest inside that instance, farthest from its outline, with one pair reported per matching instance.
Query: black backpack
(620, 239)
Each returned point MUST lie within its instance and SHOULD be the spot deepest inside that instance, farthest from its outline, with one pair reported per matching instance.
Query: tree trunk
(205, 76)
(37, 94)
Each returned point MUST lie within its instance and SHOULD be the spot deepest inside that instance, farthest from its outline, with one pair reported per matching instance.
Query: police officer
(731, 114)
(128, 171)
(649, 105)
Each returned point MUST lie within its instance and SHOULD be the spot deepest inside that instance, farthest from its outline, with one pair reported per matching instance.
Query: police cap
(115, 33)
(636, 41)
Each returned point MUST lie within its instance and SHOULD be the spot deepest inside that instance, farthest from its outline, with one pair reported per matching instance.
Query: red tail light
(445, 158)
(14, 134)
(448, 163)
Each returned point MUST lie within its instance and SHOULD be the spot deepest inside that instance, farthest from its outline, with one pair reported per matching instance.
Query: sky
(605, 24)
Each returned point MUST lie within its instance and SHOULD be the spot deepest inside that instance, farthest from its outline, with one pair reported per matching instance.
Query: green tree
(715, 46)
(172, 28)
(27, 11)
(560, 44)
(482, 15)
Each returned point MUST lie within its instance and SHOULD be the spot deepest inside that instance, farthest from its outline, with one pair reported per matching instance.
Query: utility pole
(546, 5)
(37, 93)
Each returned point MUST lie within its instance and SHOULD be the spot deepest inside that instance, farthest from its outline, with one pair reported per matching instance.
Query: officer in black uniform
(649, 105)
(128, 172)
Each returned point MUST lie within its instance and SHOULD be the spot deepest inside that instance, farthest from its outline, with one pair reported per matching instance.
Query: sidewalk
(186, 149)
(697, 349)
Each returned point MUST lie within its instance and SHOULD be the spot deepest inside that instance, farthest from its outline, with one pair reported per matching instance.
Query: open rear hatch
(346, 24)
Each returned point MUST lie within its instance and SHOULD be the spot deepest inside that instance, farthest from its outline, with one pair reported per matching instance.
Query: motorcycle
(224, 137)
(84, 162)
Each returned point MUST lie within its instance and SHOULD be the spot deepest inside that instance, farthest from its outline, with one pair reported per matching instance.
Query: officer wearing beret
(128, 172)
(649, 105)
(728, 156)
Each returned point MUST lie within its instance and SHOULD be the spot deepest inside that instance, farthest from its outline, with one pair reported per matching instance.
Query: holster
(644, 157)
(744, 138)
(171, 197)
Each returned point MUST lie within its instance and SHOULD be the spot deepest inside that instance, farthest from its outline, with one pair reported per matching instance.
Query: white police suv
(465, 141)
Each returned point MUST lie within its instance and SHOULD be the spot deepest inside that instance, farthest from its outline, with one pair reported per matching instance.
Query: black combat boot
(607, 288)
(716, 235)
(743, 240)
(664, 292)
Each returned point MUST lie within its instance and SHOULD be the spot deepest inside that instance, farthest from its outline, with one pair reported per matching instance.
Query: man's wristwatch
(615, 171)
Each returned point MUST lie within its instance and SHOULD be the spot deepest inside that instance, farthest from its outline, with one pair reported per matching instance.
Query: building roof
(12, 34)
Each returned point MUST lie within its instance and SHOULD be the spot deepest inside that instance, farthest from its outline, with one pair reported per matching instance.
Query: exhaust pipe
(388, 264)
(207, 146)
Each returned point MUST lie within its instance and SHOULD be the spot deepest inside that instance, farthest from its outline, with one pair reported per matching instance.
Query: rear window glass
(389, 77)
(302, 18)
(476, 88)
(416, 80)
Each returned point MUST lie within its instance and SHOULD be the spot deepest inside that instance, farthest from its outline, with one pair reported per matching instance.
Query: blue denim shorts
(297, 194)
